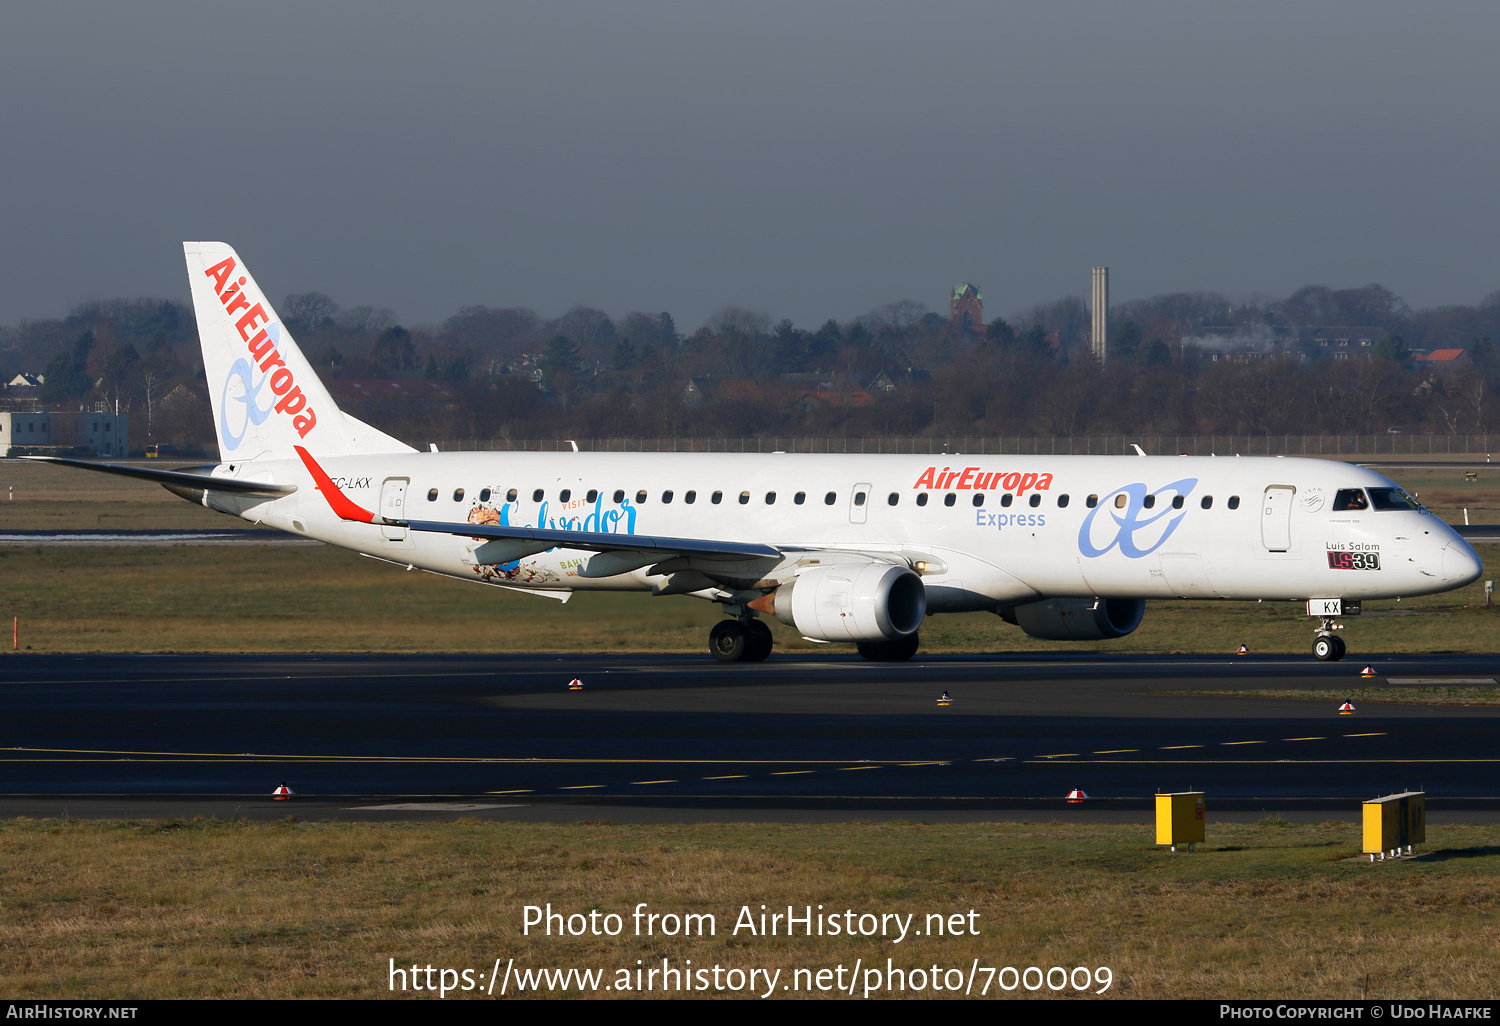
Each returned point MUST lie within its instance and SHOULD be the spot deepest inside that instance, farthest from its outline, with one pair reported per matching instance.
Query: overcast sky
(808, 159)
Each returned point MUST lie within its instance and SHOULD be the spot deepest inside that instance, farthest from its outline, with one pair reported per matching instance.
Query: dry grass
(208, 908)
(1430, 695)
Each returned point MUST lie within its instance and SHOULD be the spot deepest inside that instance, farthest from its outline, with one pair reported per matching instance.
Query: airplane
(843, 548)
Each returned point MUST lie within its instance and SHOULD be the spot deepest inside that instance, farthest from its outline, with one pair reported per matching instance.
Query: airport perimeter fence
(1473, 447)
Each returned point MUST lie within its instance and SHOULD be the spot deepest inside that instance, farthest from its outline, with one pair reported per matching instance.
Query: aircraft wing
(1477, 533)
(598, 541)
(180, 478)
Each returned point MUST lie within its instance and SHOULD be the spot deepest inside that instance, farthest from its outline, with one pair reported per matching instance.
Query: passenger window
(666, 496)
(1007, 499)
(689, 497)
(432, 495)
(564, 495)
(921, 498)
(1350, 499)
(1177, 501)
(949, 499)
(1062, 501)
(1234, 502)
(458, 495)
(1036, 499)
(893, 498)
(800, 498)
(859, 498)
(484, 495)
(536, 496)
(1091, 501)
(1149, 502)
(593, 495)
(1208, 502)
(716, 498)
(744, 498)
(770, 498)
(640, 497)
(510, 496)
(1121, 500)
(830, 499)
(979, 498)
(619, 496)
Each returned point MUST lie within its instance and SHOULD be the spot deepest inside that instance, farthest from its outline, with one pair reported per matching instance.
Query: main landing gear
(1328, 646)
(740, 641)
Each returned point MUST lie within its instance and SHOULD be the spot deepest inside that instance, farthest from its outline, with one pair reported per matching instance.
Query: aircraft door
(393, 506)
(1276, 517)
(859, 503)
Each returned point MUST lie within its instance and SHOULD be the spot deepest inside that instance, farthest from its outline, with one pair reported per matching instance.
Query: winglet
(346, 508)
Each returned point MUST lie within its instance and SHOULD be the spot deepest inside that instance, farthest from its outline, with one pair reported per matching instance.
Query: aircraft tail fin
(266, 398)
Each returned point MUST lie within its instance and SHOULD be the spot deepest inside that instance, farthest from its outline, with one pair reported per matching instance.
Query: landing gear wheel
(1326, 648)
(1339, 642)
(729, 641)
(760, 641)
(897, 651)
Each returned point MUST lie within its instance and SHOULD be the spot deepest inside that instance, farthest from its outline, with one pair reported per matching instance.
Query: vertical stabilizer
(266, 398)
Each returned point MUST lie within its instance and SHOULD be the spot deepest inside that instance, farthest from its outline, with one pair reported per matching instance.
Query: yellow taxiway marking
(579, 787)
(790, 773)
(1058, 755)
(524, 790)
(1304, 739)
(1378, 733)
(1115, 751)
(1171, 748)
(1241, 742)
(653, 781)
(729, 776)
(851, 769)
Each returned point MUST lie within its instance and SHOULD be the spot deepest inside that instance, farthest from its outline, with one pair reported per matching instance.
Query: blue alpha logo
(1135, 534)
(243, 408)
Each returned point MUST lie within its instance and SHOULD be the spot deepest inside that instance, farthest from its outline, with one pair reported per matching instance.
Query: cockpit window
(1393, 498)
(1350, 498)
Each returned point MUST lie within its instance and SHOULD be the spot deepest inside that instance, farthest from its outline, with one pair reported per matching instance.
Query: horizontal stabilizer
(199, 478)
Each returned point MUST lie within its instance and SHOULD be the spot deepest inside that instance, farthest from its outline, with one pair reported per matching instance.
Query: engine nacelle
(1073, 619)
(851, 602)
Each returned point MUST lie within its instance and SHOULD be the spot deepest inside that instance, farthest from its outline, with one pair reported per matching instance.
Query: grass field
(210, 908)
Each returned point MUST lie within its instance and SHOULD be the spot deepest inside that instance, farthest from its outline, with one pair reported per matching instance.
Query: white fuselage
(984, 531)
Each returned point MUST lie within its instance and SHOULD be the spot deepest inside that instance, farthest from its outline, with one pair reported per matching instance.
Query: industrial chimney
(1099, 335)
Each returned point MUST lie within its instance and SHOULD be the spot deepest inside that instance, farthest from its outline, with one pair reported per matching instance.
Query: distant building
(1442, 361)
(26, 381)
(966, 307)
(1344, 341)
(104, 434)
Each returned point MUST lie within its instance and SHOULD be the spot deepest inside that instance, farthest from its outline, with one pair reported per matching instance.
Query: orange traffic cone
(1243, 651)
(1368, 671)
(1077, 797)
(282, 793)
(945, 699)
(575, 684)
(1347, 709)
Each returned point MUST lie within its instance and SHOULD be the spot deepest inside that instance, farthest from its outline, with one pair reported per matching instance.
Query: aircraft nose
(1461, 564)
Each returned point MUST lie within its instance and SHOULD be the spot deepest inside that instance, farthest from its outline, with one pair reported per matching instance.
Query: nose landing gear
(1327, 646)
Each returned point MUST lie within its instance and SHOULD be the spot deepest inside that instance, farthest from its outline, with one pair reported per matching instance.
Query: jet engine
(850, 602)
(1073, 619)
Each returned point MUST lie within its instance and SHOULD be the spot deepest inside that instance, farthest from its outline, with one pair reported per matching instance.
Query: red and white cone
(282, 793)
(1243, 651)
(1347, 709)
(575, 684)
(1368, 671)
(1077, 797)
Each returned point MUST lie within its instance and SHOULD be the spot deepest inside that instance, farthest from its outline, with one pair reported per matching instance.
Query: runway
(686, 737)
